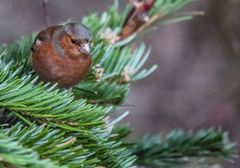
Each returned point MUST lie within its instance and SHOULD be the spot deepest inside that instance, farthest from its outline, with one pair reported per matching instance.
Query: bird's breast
(56, 69)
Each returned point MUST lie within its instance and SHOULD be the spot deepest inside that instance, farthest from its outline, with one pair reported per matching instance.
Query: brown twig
(137, 17)
(45, 10)
(139, 20)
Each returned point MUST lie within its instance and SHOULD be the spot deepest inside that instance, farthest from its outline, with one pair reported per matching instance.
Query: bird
(62, 54)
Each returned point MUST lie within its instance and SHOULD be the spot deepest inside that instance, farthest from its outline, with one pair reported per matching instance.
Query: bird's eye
(74, 41)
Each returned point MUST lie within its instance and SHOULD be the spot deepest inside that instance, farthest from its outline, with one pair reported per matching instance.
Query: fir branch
(42, 104)
(120, 67)
(12, 154)
(52, 144)
(164, 12)
(117, 63)
(75, 149)
(47, 104)
(111, 23)
(79, 133)
(179, 147)
(138, 16)
(101, 92)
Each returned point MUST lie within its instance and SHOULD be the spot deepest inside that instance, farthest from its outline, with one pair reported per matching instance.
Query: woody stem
(45, 10)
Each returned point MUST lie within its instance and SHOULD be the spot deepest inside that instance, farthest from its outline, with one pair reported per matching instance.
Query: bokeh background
(197, 83)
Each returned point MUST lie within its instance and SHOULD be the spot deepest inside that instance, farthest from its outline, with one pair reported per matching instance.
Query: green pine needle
(44, 126)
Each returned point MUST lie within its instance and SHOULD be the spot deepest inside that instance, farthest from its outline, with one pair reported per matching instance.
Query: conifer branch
(178, 148)
(12, 154)
(72, 128)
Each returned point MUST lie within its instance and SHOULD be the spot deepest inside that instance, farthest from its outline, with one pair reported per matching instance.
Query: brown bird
(61, 54)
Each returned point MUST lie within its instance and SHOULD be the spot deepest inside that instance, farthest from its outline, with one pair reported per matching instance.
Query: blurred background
(197, 83)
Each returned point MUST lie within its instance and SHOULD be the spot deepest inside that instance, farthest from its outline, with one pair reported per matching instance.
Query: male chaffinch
(62, 54)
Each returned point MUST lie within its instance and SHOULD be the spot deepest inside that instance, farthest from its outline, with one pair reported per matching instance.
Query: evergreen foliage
(44, 126)
(179, 147)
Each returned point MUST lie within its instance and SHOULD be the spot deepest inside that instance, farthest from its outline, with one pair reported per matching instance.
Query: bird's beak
(86, 48)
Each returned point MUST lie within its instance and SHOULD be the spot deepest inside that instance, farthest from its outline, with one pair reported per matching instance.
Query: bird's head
(73, 39)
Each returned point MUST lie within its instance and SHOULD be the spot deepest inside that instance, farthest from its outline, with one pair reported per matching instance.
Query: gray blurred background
(197, 83)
